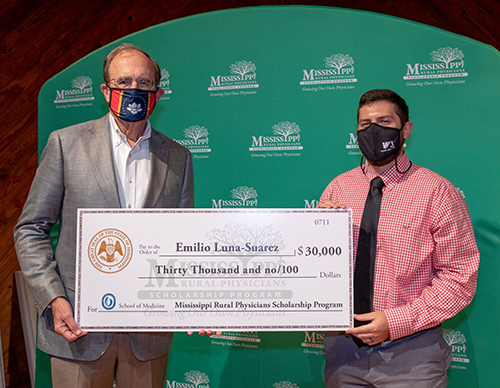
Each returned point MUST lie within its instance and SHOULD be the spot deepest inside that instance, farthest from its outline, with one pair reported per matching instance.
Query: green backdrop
(266, 99)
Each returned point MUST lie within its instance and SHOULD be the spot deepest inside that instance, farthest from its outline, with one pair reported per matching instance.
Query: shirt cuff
(399, 322)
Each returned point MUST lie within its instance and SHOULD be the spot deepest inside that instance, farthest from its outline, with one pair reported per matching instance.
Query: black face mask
(378, 143)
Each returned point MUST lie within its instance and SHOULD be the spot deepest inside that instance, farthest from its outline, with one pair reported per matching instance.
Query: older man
(116, 161)
(416, 258)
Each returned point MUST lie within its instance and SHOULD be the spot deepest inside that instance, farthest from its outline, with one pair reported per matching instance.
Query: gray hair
(129, 47)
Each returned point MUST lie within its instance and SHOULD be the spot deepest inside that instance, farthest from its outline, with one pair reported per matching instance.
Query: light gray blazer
(76, 171)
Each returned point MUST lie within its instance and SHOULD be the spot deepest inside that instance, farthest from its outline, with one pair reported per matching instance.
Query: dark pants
(419, 360)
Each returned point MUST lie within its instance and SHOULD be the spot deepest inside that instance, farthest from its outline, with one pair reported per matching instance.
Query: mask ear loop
(361, 164)
(397, 168)
(396, 158)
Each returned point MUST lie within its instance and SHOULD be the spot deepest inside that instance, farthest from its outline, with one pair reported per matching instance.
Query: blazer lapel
(159, 166)
(101, 158)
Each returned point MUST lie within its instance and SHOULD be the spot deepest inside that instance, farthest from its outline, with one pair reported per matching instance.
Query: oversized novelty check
(187, 269)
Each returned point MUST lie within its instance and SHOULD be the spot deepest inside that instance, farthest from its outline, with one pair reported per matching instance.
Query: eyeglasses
(127, 82)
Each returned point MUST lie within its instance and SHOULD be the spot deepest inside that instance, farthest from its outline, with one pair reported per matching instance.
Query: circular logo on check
(110, 250)
(108, 301)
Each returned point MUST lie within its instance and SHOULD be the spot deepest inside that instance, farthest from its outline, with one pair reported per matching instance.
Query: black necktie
(367, 249)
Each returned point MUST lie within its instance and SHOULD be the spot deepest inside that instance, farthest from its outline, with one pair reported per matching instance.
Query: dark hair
(129, 47)
(376, 95)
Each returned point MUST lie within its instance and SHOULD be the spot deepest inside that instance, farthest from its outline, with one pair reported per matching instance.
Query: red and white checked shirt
(427, 258)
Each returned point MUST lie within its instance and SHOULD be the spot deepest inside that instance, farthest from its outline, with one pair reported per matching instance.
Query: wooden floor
(38, 39)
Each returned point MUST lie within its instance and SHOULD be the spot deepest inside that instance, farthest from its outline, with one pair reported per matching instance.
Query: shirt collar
(390, 176)
(118, 136)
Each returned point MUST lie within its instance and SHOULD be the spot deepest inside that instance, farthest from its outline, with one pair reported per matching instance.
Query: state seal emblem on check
(110, 250)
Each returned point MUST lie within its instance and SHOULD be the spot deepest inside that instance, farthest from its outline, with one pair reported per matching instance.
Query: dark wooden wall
(38, 39)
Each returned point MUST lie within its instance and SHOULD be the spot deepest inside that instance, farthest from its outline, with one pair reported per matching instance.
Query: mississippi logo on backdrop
(311, 204)
(192, 379)
(242, 76)
(165, 84)
(81, 92)
(313, 343)
(242, 196)
(247, 339)
(110, 250)
(285, 137)
(338, 69)
(352, 145)
(196, 140)
(456, 340)
(445, 62)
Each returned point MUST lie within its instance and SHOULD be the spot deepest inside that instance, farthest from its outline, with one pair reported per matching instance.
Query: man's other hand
(207, 332)
(374, 332)
(331, 205)
(64, 323)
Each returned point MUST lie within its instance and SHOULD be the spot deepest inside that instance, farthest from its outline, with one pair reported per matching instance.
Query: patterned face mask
(132, 104)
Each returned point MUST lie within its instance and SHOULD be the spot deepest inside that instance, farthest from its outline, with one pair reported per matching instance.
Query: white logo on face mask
(134, 108)
(387, 144)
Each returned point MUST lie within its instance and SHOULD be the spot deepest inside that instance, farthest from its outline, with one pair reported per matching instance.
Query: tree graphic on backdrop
(285, 129)
(339, 61)
(446, 55)
(195, 132)
(244, 193)
(453, 337)
(81, 82)
(165, 75)
(196, 377)
(242, 67)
